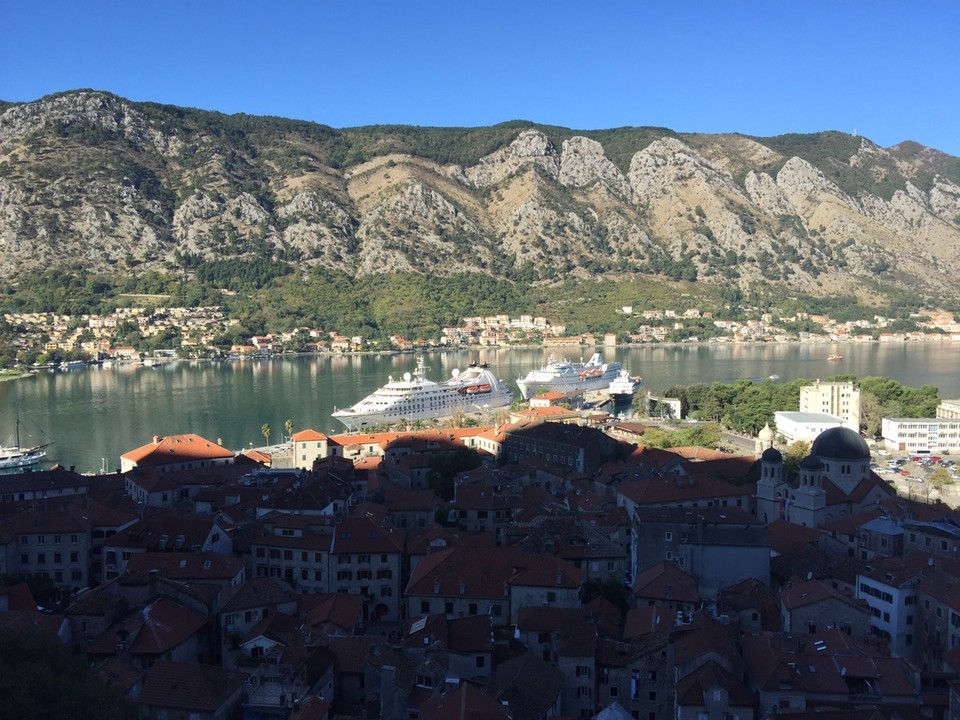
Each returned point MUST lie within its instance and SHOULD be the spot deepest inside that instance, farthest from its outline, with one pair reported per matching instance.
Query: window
(24, 559)
(425, 607)
(584, 671)
(56, 539)
(74, 557)
(41, 539)
(303, 574)
(288, 554)
(57, 558)
(344, 575)
(551, 596)
(386, 591)
(448, 608)
(652, 696)
(42, 558)
(481, 661)
(317, 575)
(472, 608)
(668, 536)
(384, 574)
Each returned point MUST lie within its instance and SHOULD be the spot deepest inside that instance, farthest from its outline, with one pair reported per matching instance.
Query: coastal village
(194, 332)
(553, 566)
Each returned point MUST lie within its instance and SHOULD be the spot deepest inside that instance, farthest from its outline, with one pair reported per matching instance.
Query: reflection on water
(96, 414)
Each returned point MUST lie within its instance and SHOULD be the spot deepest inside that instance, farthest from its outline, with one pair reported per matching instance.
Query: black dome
(771, 455)
(811, 462)
(840, 443)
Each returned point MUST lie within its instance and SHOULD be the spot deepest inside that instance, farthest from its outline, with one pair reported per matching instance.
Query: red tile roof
(177, 449)
(487, 572)
(467, 702)
(665, 581)
(692, 690)
(157, 628)
(189, 686)
(308, 436)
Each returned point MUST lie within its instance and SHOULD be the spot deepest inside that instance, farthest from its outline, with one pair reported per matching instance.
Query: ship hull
(475, 391)
(529, 388)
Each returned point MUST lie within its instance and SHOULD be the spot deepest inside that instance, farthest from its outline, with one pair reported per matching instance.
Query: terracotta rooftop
(488, 572)
(530, 685)
(189, 686)
(177, 449)
(256, 593)
(467, 702)
(666, 582)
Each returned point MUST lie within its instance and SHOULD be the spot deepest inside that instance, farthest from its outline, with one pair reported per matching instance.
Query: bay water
(95, 414)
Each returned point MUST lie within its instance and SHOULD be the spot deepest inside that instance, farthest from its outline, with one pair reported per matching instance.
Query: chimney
(154, 575)
(156, 439)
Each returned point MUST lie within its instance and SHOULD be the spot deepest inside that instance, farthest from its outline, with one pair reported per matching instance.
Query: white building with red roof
(177, 452)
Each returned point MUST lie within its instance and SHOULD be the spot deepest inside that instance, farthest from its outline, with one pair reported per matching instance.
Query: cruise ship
(564, 376)
(623, 387)
(414, 397)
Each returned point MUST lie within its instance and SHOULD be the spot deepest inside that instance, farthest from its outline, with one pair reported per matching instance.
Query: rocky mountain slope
(93, 182)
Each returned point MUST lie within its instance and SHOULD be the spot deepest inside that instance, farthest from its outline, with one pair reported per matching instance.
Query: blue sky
(887, 70)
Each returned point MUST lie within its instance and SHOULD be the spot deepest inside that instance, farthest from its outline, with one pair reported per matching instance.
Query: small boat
(16, 459)
(834, 358)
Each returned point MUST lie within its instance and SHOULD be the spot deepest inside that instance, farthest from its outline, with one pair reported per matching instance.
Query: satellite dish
(456, 372)
(843, 672)
(809, 574)
(407, 376)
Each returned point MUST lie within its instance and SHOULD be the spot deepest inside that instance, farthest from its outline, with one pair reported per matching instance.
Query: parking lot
(911, 475)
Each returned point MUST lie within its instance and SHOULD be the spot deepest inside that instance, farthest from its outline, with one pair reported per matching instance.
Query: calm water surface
(95, 414)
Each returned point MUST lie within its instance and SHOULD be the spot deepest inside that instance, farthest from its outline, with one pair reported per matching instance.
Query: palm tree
(265, 431)
(288, 426)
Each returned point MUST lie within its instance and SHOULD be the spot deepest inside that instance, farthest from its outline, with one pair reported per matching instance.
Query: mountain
(90, 181)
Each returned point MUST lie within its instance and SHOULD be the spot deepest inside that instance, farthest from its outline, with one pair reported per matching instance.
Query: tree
(871, 414)
(265, 431)
(796, 451)
(40, 678)
(288, 427)
(940, 477)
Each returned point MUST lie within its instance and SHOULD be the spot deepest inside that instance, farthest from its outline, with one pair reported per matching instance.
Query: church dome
(811, 462)
(840, 443)
(766, 435)
(771, 455)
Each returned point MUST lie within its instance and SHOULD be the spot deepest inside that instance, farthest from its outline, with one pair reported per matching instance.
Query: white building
(834, 398)
(949, 410)
(921, 435)
(806, 426)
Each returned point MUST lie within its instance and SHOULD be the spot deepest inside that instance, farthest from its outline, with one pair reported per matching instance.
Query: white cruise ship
(623, 387)
(565, 376)
(413, 397)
